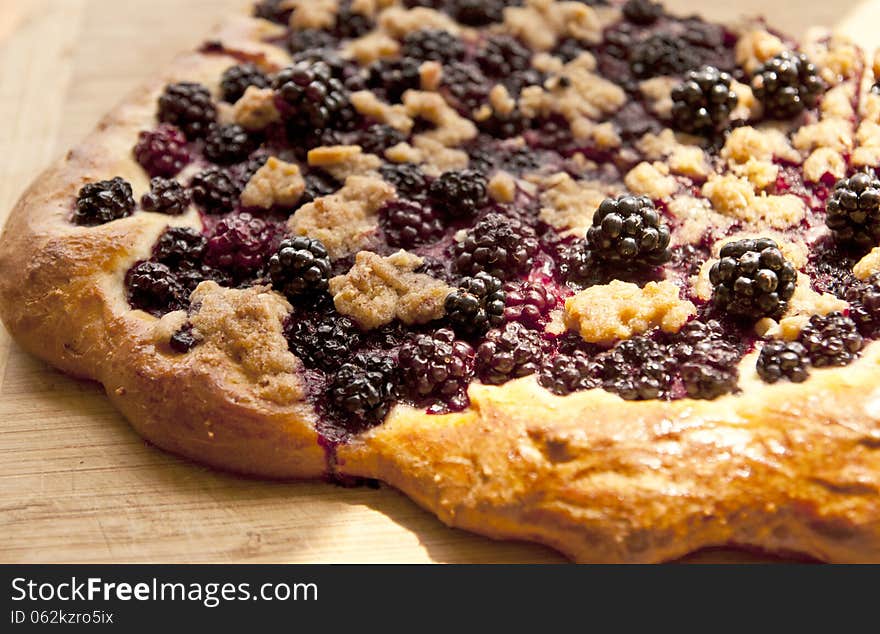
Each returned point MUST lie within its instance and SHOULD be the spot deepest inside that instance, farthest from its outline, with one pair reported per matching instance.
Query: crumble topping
(397, 21)
(502, 187)
(241, 332)
(836, 56)
(369, 105)
(256, 109)
(434, 157)
(868, 265)
(451, 129)
(275, 183)
(756, 47)
(373, 46)
(313, 14)
(734, 196)
(658, 92)
(619, 310)
(696, 218)
(651, 179)
(377, 290)
(343, 221)
(749, 143)
(542, 23)
(430, 75)
(687, 160)
(342, 161)
(868, 152)
(804, 304)
(831, 133)
(568, 205)
(824, 161)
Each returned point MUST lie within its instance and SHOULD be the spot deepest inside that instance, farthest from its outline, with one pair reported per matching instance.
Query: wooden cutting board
(76, 484)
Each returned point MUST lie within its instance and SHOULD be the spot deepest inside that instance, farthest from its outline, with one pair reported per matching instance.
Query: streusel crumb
(275, 183)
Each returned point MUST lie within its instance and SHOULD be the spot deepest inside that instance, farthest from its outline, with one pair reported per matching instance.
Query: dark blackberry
(783, 359)
(179, 247)
(227, 144)
(853, 210)
(302, 40)
(529, 303)
(503, 55)
(438, 367)
(519, 160)
(577, 265)
(166, 196)
(633, 121)
(627, 232)
(465, 87)
(479, 12)
(460, 194)
(240, 244)
(663, 54)
(322, 341)
(752, 279)
(188, 106)
(408, 179)
(509, 352)
(476, 306)
(300, 266)
(379, 137)
(191, 275)
(710, 369)
(642, 12)
(433, 44)
(703, 102)
(787, 85)
(237, 79)
(100, 202)
(318, 185)
(568, 49)
(394, 77)
(504, 126)
(273, 10)
(864, 305)
(214, 191)
(312, 96)
(831, 340)
(153, 288)
(501, 246)
(365, 389)
(567, 373)
(244, 172)
(162, 152)
(409, 223)
(184, 340)
(351, 24)
(637, 369)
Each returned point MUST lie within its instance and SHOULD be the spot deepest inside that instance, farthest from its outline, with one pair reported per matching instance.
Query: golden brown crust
(784, 467)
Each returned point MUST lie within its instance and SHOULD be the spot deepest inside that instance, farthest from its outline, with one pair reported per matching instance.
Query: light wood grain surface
(76, 484)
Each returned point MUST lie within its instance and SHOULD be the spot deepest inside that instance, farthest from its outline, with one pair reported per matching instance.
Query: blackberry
(479, 12)
(379, 137)
(864, 305)
(237, 79)
(569, 49)
(438, 367)
(166, 196)
(100, 202)
(323, 341)
(709, 370)
(787, 85)
(460, 194)
(502, 55)
(567, 373)
(188, 106)
(245, 171)
(303, 40)
(394, 77)
(408, 179)
(273, 10)
(501, 246)
(504, 126)
(627, 231)
(476, 306)
(312, 96)
(663, 54)
(409, 223)
(509, 352)
(577, 265)
(365, 389)
(853, 211)
(179, 247)
(214, 191)
(703, 103)
(642, 12)
(300, 266)
(637, 369)
(350, 24)
(831, 340)
(240, 244)
(162, 152)
(465, 87)
(191, 275)
(153, 288)
(529, 303)
(318, 185)
(783, 359)
(227, 144)
(433, 44)
(184, 340)
(752, 279)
